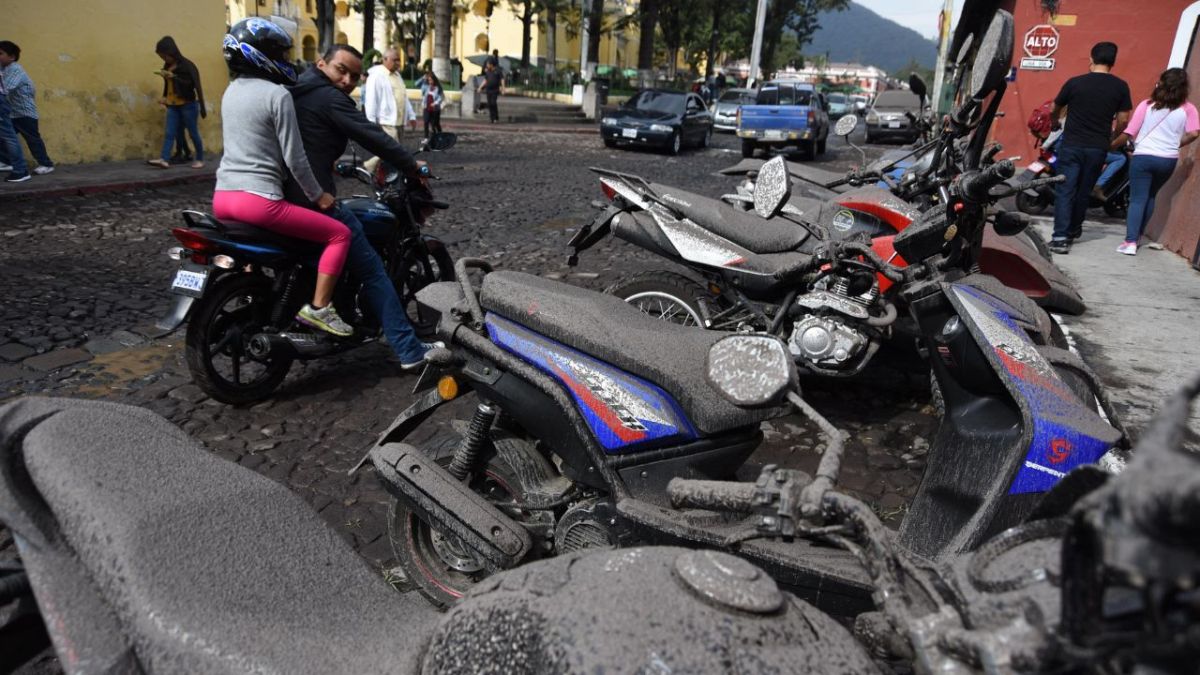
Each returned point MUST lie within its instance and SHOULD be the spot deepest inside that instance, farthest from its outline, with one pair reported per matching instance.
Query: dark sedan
(663, 119)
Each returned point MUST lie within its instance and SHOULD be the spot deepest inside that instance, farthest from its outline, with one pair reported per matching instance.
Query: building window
(309, 46)
(308, 7)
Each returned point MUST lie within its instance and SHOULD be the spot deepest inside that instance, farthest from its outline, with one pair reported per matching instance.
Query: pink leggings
(288, 219)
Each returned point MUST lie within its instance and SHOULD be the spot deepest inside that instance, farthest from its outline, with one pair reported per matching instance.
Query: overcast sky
(919, 15)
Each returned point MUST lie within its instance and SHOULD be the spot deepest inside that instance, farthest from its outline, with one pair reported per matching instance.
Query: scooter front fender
(1018, 265)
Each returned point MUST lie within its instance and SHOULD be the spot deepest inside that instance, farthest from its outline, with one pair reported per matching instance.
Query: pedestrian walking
(1092, 101)
(432, 99)
(12, 159)
(1160, 126)
(385, 100)
(493, 87)
(183, 98)
(22, 107)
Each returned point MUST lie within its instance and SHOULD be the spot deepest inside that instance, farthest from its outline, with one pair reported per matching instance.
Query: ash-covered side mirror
(772, 188)
(846, 125)
(751, 370)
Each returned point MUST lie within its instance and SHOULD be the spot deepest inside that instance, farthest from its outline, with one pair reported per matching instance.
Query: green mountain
(858, 35)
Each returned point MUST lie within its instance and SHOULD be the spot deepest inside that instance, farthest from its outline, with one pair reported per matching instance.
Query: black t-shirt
(492, 80)
(1092, 101)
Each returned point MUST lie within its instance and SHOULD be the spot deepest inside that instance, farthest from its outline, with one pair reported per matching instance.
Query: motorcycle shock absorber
(280, 311)
(467, 454)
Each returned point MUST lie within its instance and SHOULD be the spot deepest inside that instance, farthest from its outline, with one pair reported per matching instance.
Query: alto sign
(1040, 43)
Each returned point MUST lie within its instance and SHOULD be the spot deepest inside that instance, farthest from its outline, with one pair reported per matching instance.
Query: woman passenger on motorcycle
(1160, 126)
(262, 144)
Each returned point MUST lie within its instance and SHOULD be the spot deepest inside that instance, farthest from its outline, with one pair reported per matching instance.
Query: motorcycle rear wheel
(230, 313)
(439, 565)
(1034, 206)
(663, 295)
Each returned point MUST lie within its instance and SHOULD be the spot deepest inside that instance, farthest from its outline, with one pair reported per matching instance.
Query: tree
(442, 11)
(325, 25)
(549, 11)
(524, 10)
(408, 17)
(595, 22)
(368, 12)
(800, 16)
(648, 16)
(678, 21)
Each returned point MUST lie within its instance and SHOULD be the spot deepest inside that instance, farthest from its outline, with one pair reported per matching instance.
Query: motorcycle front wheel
(416, 272)
(217, 350)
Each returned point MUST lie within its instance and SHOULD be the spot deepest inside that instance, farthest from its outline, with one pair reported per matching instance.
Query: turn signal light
(447, 388)
(223, 261)
(176, 252)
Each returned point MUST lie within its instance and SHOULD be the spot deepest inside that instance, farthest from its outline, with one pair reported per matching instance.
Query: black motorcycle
(1036, 199)
(239, 287)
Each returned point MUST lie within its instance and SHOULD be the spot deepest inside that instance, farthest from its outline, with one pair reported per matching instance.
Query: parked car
(664, 119)
(859, 104)
(839, 104)
(784, 113)
(889, 116)
(725, 109)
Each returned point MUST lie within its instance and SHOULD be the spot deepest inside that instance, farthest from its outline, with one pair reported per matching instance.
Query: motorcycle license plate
(629, 133)
(1037, 167)
(893, 125)
(189, 282)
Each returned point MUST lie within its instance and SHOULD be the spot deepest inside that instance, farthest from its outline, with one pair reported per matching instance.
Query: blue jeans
(1113, 162)
(10, 148)
(1081, 166)
(1147, 174)
(378, 290)
(179, 118)
(28, 128)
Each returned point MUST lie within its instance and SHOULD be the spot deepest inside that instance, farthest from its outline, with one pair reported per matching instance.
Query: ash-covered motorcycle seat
(744, 228)
(209, 566)
(671, 356)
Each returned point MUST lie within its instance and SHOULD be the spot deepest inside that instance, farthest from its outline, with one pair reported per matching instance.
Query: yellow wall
(93, 66)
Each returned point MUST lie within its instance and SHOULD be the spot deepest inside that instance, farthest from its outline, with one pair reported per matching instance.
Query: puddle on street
(116, 371)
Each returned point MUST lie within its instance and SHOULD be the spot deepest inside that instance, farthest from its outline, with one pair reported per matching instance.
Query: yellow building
(93, 65)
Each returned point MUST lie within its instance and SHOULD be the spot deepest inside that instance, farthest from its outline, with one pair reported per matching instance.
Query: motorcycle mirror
(750, 370)
(1009, 223)
(846, 125)
(442, 141)
(344, 169)
(772, 188)
(917, 86)
(994, 57)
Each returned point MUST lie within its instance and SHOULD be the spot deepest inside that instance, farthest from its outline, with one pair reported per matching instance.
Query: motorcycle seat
(744, 228)
(208, 566)
(671, 356)
(246, 233)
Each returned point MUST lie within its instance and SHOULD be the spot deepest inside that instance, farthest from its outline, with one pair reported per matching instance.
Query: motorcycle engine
(585, 525)
(825, 342)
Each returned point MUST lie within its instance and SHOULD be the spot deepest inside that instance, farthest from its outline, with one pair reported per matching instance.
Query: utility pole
(587, 34)
(760, 18)
(939, 75)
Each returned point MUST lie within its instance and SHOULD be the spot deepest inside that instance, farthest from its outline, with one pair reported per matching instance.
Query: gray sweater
(262, 141)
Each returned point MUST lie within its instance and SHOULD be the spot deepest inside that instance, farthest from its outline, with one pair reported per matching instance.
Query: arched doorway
(308, 47)
(481, 43)
(342, 39)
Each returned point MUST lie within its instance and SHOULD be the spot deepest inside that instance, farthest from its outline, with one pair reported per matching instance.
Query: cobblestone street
(85, 278)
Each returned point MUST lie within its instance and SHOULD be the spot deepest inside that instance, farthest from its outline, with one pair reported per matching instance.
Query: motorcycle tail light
(608, 191)
(193, 240)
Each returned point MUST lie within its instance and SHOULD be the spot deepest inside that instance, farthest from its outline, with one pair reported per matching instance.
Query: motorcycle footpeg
(449, 505)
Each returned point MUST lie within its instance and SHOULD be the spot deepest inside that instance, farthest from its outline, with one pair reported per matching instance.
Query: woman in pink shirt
(1160, 126)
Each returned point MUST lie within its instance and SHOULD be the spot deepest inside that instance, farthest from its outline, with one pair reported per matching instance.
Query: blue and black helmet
(258, 48)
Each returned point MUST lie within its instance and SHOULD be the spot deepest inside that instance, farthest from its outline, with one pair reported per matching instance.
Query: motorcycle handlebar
(976, 187)
(715, 495)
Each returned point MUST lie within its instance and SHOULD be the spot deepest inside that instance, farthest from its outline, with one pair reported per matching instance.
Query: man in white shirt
(385, 101)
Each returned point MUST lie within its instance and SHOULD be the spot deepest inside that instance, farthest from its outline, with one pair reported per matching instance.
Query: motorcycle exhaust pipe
(293, 344)
(449, 505)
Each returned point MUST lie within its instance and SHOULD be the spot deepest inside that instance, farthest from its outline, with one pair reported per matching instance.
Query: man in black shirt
(1092, 101)
(493, 86)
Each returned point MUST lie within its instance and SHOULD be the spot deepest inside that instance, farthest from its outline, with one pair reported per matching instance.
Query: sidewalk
(93, 177)
(1141, 332)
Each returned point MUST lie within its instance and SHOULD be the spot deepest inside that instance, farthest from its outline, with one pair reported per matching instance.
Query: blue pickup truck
(785, 113)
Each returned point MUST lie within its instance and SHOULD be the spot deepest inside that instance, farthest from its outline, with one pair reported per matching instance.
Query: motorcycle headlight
(609, 121)
(872, 117)
(663, 128)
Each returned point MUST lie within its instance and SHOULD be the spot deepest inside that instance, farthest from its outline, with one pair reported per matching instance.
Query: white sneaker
(43, 170)
(1127, 248)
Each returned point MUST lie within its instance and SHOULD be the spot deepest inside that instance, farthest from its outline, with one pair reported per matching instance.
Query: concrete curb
(586, 129)
(98, 188)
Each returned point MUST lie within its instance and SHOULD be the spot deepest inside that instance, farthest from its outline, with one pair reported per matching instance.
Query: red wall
(1143, 32)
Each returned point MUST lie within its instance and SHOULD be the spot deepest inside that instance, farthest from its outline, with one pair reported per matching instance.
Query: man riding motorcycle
(328, 119)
